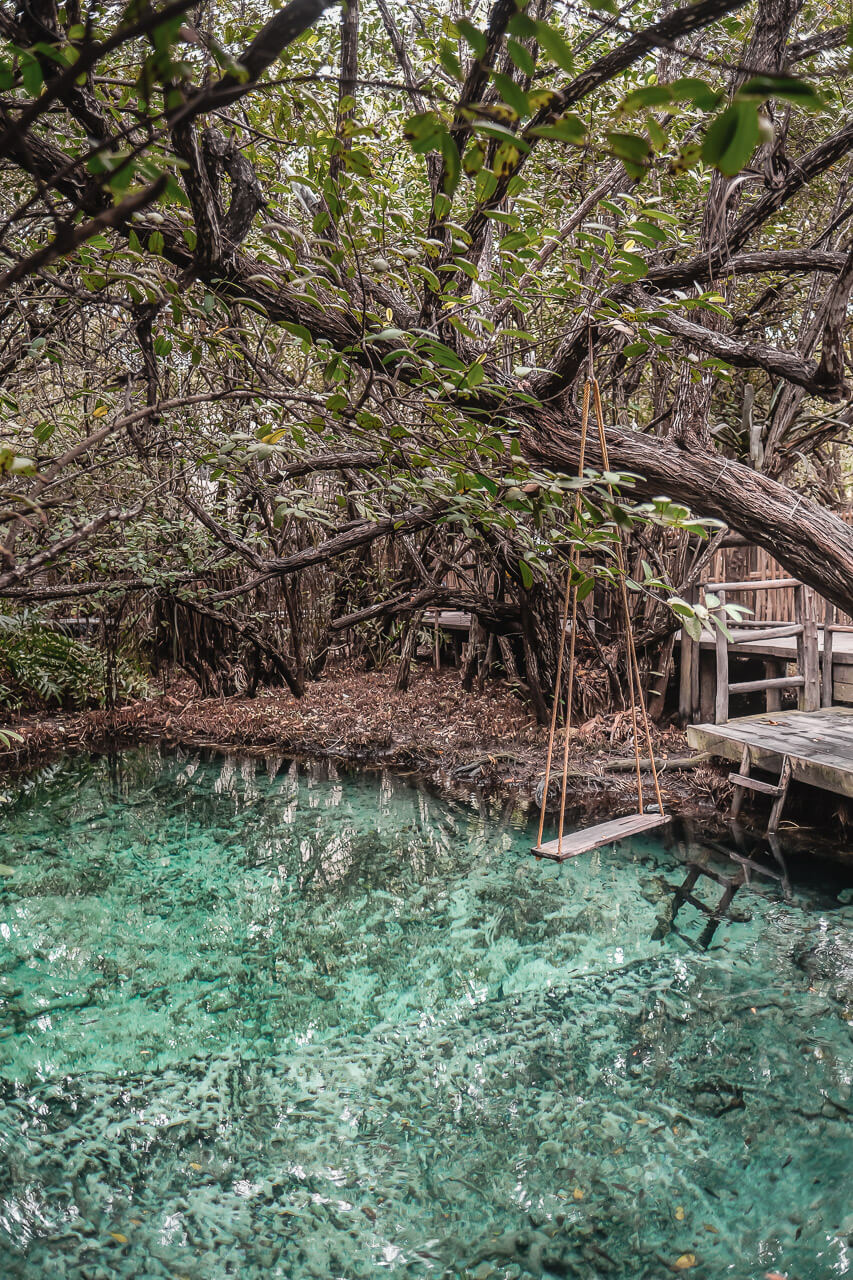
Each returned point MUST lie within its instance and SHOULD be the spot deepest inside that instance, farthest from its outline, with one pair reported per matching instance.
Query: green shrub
(39, 663)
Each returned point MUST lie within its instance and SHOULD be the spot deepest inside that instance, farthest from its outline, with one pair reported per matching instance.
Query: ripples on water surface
(268, 1021)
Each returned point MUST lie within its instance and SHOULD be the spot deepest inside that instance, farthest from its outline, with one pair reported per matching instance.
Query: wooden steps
(754, 784)
(743, 781)
(575, 842)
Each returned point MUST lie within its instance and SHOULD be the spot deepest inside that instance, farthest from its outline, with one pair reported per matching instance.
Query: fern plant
(42, 664)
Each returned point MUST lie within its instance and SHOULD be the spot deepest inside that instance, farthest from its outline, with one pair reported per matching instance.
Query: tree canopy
(298, 309)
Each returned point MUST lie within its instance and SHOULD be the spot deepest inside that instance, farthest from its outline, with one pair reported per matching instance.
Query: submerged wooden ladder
(743, 782)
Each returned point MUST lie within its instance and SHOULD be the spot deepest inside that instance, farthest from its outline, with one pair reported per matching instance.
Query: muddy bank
(436, 729)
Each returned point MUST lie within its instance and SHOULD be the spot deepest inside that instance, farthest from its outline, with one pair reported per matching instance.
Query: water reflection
(707, 862)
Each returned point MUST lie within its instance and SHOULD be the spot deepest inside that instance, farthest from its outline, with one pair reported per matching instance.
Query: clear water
(267, 1021)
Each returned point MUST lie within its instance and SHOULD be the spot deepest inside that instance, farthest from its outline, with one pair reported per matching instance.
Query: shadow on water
(271, 1019)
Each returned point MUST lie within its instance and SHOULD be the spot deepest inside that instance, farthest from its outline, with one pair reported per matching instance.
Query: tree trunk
(407, 652)
(813, 544)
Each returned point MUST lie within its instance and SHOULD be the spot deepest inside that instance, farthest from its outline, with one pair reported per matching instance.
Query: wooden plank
(772, 633)
(737, 797)
(689, 649)
(774, 682)
(576, 842)
(800, 614)
(784, 648)
(826, 661)
(752, 584)
(707, 684)
(754, 784)
(819, 744)
(779, 803)
(721, 702)
(773, 670)
(842, 691)
(688, 672)
(811, 654)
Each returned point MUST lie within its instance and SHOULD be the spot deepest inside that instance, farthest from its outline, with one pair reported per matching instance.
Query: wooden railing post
(808, 697)
(721, 702)
(688, 670)
(826, 690)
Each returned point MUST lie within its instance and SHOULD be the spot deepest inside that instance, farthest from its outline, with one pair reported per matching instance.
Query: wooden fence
(750, 564)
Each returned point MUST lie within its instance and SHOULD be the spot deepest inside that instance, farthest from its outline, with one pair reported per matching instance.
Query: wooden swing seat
(576, 842)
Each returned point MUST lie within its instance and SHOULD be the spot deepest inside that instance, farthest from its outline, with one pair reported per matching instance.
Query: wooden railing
(807, 679)
(774, 600)
(697, 676)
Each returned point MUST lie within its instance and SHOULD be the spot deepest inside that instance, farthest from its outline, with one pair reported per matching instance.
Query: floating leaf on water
(679, 1212)
(686, 1260)
(578, 1193)
(118, 1237)
(198, 1167)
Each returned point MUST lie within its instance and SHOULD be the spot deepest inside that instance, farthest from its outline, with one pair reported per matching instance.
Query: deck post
(707, 685)
(779, 803)
(826, 690)
(721, 709)
(738, 792)
(808, 697)
(688, 670)
(774, 670)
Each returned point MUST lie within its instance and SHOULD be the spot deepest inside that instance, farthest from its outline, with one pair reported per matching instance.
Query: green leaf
(512, 95)
(629, 146)
(449, 60)
(732, 138)
(651, 95)
(640, 227)
(298, 330)
(522, 27)
(452, 163)
(569, 128)
(787, 88)
(521, 56)
(31, 75)
(526, 574)
(691, 89)
(424, 132)
(474, 159)
(555, 46)
(475, 375)
(657, 137)
(630, 266)
(473, 36)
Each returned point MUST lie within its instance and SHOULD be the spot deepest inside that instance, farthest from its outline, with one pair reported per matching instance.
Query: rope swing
(613, 830)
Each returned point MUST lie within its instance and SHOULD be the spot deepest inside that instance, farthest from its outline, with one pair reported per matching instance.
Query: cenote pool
(269, 1020)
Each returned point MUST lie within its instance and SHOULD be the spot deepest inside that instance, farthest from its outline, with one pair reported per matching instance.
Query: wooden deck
(575, 842)
(819, 744)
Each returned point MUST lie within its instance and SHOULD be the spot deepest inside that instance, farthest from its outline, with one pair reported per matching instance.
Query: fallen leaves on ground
(433, 727)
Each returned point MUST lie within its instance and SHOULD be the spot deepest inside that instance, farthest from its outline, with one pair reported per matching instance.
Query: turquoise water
(261, 1020)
